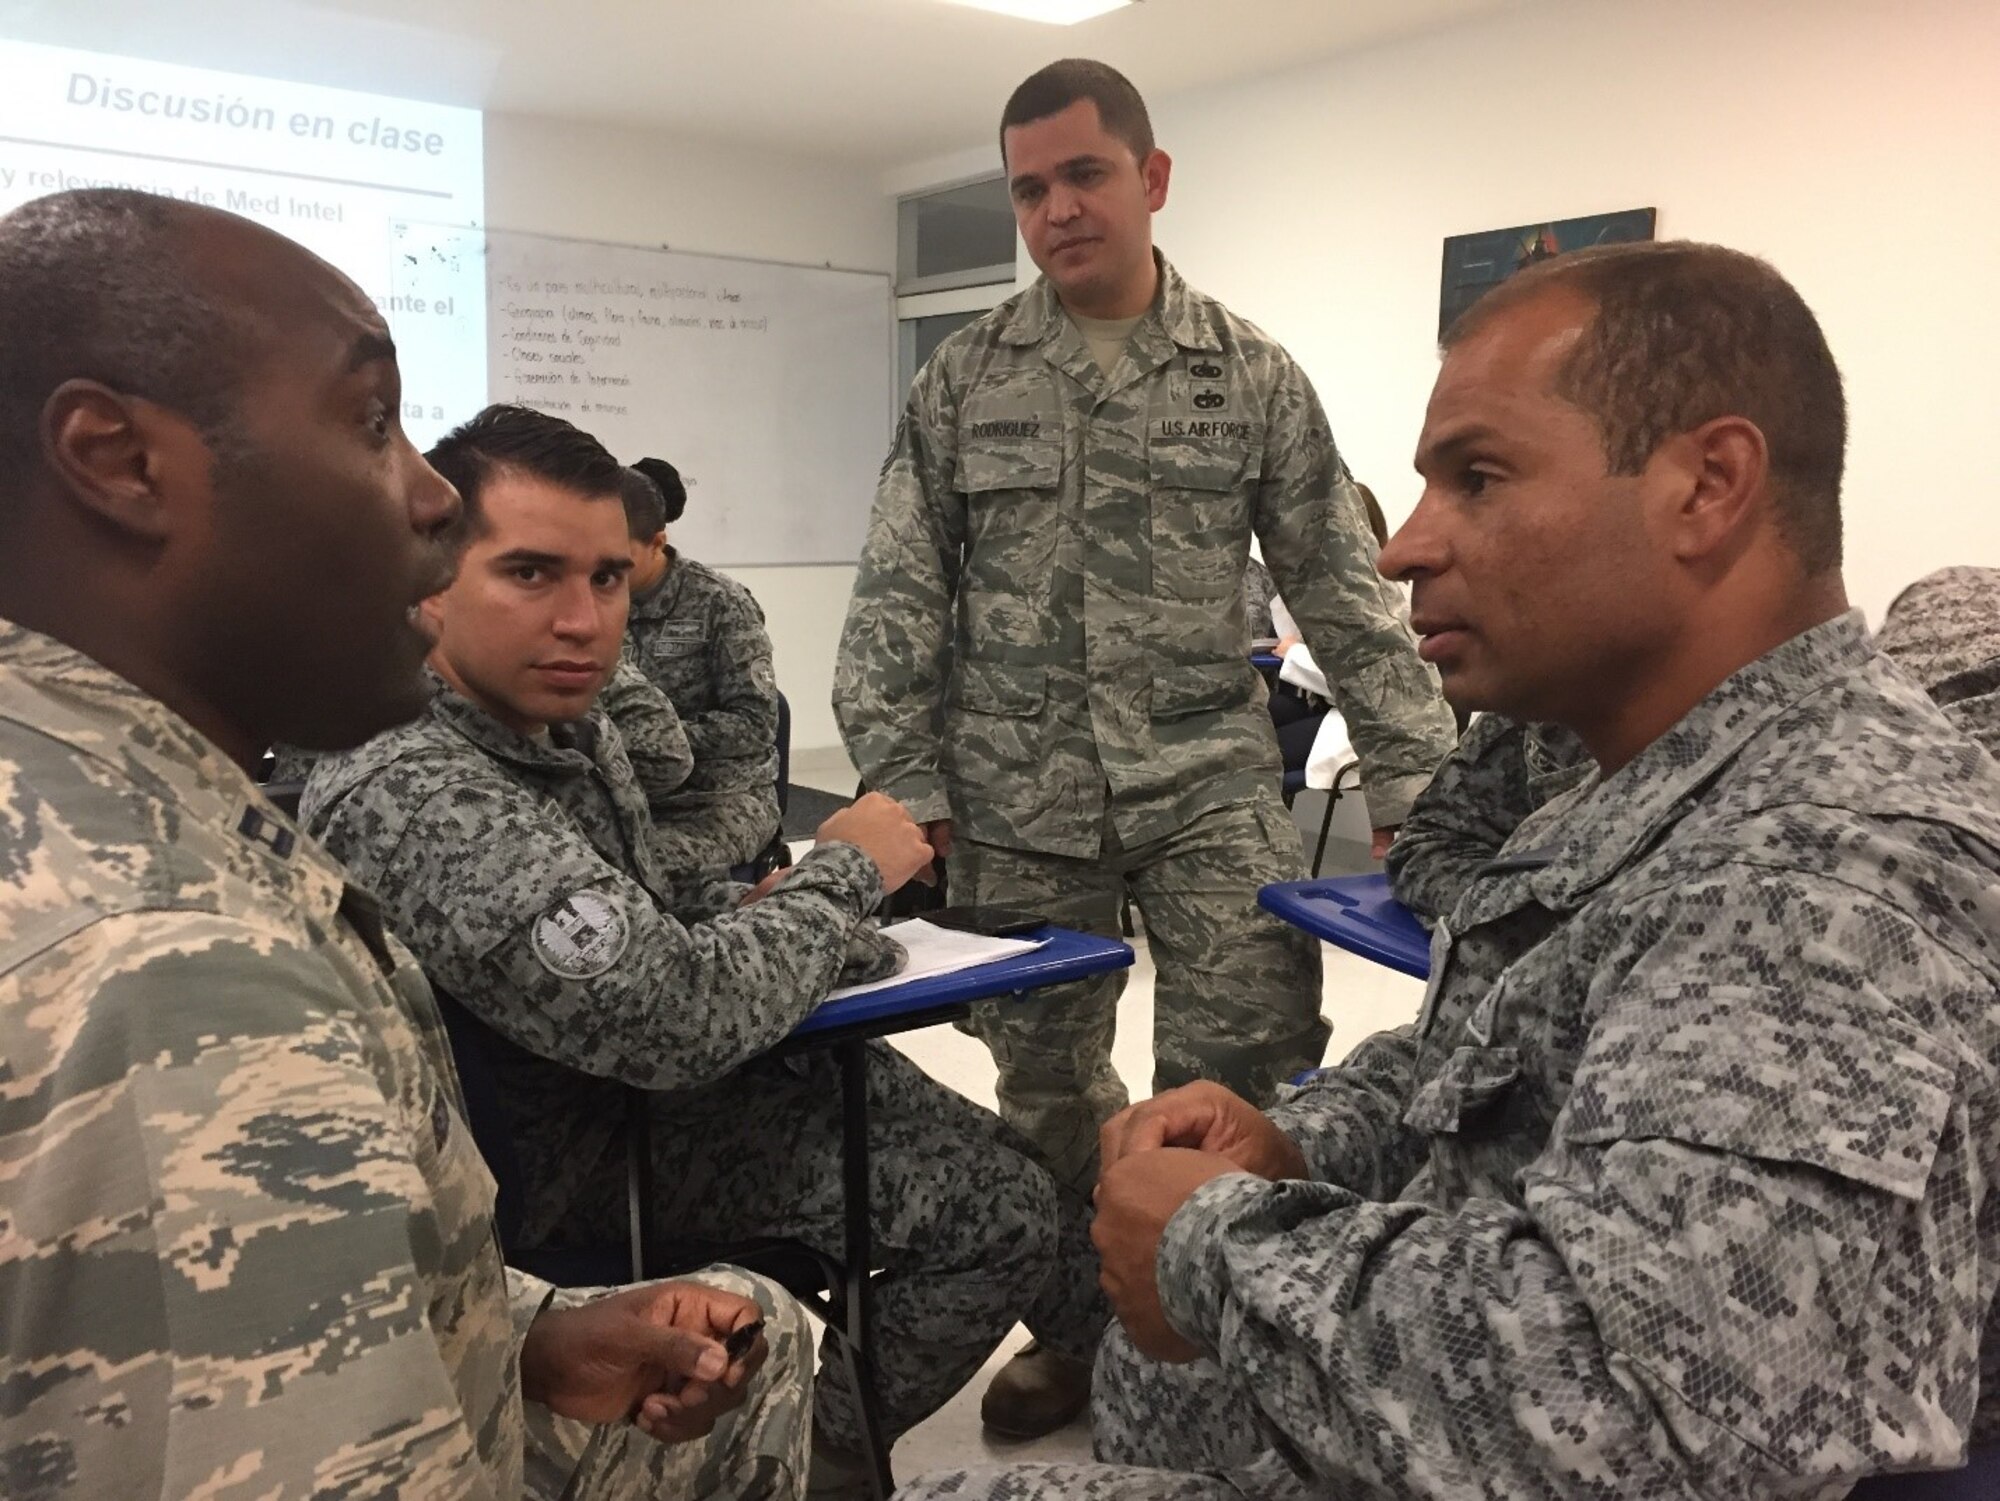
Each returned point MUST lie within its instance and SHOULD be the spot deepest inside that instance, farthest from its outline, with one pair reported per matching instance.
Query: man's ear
(1155, 170)
(432, 611)
(116, 456)
(1720, 472)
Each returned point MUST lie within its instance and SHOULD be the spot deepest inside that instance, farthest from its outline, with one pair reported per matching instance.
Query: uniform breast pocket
(677, 663)
(1011, 492)
(994, 734)
(1199, 516)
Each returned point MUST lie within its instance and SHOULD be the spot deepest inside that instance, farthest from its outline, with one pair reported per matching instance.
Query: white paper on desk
(938, 951)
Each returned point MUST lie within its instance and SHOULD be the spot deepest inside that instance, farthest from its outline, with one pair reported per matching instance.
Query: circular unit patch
(583, 937)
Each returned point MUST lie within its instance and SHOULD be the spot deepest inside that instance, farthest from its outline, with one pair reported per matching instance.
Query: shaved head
(150, 296)
(204, 481)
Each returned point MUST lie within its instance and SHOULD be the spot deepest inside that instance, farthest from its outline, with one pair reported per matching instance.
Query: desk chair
(784, 752)
(777, 854)
(1978, 1481)
(1295, 783)
(286, 796)
(816, 1279)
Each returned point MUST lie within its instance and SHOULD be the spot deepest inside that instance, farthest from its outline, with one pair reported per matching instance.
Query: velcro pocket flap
(1208, 688)
(1030, 464)
(1198, 466)
(1858, 1091)
(1001, 687)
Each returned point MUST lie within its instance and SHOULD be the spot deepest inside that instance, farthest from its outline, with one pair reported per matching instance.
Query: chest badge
(1206, 374)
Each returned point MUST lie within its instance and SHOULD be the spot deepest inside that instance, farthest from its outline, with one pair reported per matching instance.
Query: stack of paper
(939, 951)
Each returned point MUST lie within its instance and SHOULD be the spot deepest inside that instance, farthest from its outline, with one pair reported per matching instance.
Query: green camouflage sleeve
(1316, 541)
(743, 724)
(895, 650)
(655, 739)
(519, 917)
(224, 1246)
(1742, 1254)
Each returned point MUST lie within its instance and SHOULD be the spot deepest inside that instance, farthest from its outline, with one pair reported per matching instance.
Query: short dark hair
(1051, 90)
(510, 439)
(102, 284)
(645, 507)
(1684, 333)
(672, 492)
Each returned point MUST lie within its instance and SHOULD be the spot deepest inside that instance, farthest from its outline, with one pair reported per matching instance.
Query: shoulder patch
(583, 937)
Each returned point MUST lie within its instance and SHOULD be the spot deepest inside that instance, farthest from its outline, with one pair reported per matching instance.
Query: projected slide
(357, 178)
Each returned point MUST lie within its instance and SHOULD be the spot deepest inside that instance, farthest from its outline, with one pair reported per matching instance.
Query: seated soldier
(509, 841)
(1944, 631)
(700, 638)
(246, 1243)
(1681, 1182)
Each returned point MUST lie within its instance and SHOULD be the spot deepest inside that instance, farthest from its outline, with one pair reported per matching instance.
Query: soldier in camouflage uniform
(246, 1242)
(1500, 772)
(1944, 631)
(514, 853)
(1046, 660)
(700, 638)
(1045, 655)
(1681, 1182)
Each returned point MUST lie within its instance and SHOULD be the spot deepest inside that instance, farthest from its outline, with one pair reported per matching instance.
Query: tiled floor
(1360, 998)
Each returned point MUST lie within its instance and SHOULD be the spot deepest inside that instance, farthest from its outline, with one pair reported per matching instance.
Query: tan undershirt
(1107, 337)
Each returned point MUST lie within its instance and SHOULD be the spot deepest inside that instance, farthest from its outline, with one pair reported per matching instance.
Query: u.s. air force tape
(583, 937)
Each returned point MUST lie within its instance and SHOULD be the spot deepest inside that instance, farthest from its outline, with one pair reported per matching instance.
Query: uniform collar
(659, 599)
(1582, 839)
(568, 752)
(1177, 319)
(56, 691)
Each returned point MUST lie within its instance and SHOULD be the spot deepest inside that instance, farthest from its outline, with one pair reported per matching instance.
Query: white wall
(637, 188)
(1854, 143)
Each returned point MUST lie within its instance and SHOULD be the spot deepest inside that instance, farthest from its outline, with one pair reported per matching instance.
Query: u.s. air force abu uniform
(246, 1241)
(699, 637)
(524, 874)
(1681, 1184)
(1046, 644)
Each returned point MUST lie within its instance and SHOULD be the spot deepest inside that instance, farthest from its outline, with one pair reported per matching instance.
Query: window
(955, 237)
(954, 261)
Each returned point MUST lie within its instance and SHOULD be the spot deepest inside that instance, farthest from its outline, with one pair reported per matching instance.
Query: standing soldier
(1045, 658)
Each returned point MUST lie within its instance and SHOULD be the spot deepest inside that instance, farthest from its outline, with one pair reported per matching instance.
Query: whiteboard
(767, 385)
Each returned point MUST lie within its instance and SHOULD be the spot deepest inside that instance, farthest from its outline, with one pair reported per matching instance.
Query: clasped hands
(1154, 1156)
(651, 1355)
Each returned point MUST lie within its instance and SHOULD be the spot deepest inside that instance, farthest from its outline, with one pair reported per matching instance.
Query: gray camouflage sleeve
(572, 959)
(655, 739)
(743, 725)
(895, 649)
(1744, 1263)
(1348, 1119)
(1459, 822)
(232, 1212)
(1317, 544)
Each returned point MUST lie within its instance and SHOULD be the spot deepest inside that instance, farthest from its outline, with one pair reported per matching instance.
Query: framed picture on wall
(1475, 262)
